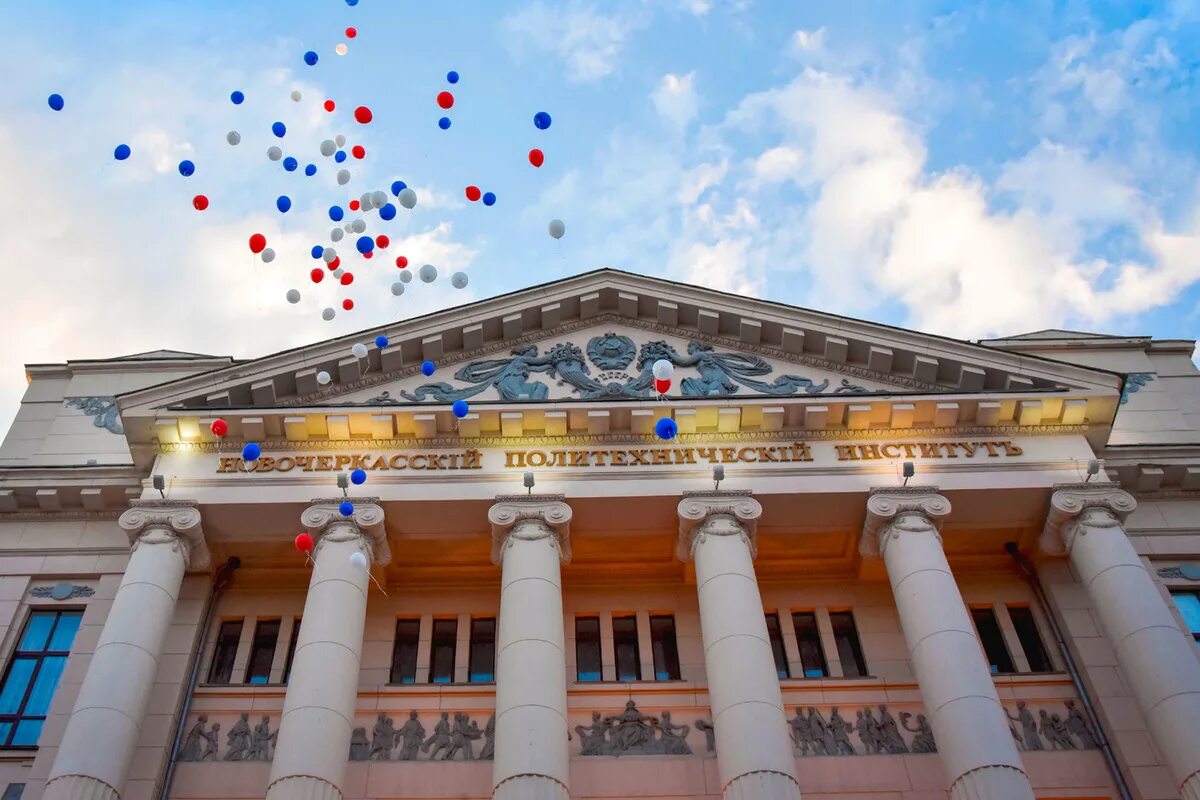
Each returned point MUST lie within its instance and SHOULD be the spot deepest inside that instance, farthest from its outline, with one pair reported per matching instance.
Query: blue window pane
(37, 631)
(28, 732)
(14, 687)
(5, 730)
(64, 631)
(44, 685)
(257, 679)
(1189, 607)
(814, 673)
(589, 676)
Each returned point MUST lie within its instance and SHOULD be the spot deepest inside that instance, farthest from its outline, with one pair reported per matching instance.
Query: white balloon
(407, 197)
(343, 177)
(274, 152)
(328, 314)
(296, 95)
(341, 49)
(557, 228)
(663, 369)
(358, 560)
(328, 255)
(458, 280)
(359, 349)
(336, 234)
(293, 296)
(406, 276)
(323, 376)
(428, 273)
(378, 199)
(398, 288)
(328, 148)
(340, 139)
(268, 255)
(233, 137)
(359, 225)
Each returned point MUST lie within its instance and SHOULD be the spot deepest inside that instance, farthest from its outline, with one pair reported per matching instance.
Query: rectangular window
(1031, 642)
(666, 648)
(483, 650)
(587, 649)
(291, 653)
(33, 675)
(404, 651)
(625, 644)
(808, 637)
(775, 632)
(993, 641)
(262, 651)
(845, 636)
(1189, 607)
(442, 648)
(228, 636)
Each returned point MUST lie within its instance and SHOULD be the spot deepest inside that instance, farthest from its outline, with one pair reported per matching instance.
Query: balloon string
(372, 577)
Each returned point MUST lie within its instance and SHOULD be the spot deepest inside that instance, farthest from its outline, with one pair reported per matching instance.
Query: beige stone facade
(1006, 622)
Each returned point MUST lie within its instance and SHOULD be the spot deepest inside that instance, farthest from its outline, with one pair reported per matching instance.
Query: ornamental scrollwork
(102, 410)
(1133, 382)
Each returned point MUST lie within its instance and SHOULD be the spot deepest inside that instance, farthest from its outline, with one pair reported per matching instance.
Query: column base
(531, 787)
(303, 787)
(78, 787)
(762, 786)
(1190, 790)
(992, 783)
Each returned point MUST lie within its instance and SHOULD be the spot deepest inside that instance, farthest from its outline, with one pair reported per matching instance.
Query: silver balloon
(296, 95)
(293, 296)
(268, 255)
(398, 288)
(323, 377)
(359, 225)
(349, 227)
(327, 314)
(336, 234)
(364, 201)
(379, 199)
(557, 228)
(459, 280)
(406, 276)
(359, 350)
(329, 254)
(428, 273)
(233, 137)
(338, 273)
(274, 153)
(407, 197)
(343, 177)
(328, 148)
(340, 139)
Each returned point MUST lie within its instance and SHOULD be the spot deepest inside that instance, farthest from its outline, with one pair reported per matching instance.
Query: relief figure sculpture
(889, 733)
(1077, 725)
(262, 741)
(674, 737)
(841, 733)
(439, 742)
(1029, 729)
(593, 738)
(237, 741)
(710, 734)
(410, 736)
(360, 745)
(923, 740)
(382, 738)
(488, 752)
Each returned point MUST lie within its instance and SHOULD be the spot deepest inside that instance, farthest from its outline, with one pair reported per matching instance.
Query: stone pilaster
(754, 752)
(1086, 521)
(97, 747)
(903, 526)
(530, 539)
(318, 712)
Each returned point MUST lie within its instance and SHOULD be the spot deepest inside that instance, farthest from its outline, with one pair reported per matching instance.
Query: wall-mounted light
(718, 476)
(1092, 470)
(343, 482)
(909, 469)
(160, 483)
(529, 481)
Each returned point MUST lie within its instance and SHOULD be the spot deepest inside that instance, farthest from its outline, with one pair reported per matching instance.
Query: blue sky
(969, 170)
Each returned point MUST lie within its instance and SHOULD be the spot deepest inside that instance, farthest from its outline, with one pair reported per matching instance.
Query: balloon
(369, 255)
(337, 262)
(304, 542)
(381, 341)
(323, 377)
(379, 198)
(346, 278)
(340, 139)
(359, 476)
(336, 234)
(351, 32)
(199, 202)
(328, 148)
(365, 201)
(398, 187)
(401, 262)
(343, 177)
(382, 241)
(357, 559)
(359, 225)
(257, 243)
(55, 101)
(460, 408)
(317, 275)
(328, 254)
(541, 120)
(444, 123)
(186, 168)
(363, 115)
(427, 368)
(328, 314)
(251, 452)
(489, 198)
(358, 151)
(662, 386)
(340, 156)
(274, 153)
(268, 255)
(341, 49)
(283, 203)
(365, 244)
(557, 228)
(310, 170)
(360, 351)
(397, 288)
(459, 280)
(666, 428)
(310, 58)
(219, 427)
(279, 129)
(428, 273)
(237, 97)
(295, 95)
(406, 276)
(346, 508)
(336, 213)
(387, 212)
(338, 273)
(330, 105)
(663, 369)
(352, 3)
(121, 152)
(537, 157)
(452, 77)
(293, 295)
(473, 193)
(347, 304)
(445, 100)
(290, 164)
(234, 138)
(407, 197)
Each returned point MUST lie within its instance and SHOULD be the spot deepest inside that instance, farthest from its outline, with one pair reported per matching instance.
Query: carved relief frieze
(102, 410)
(632, 732)
(242, 742)
(1051, 728)
(452, 737)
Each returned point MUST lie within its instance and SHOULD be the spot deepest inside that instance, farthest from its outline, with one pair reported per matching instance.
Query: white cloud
(587, 41)
(776, 165)
(723, 265)
(803, 41)
(699, 179)
(697, 7)
(675, 99)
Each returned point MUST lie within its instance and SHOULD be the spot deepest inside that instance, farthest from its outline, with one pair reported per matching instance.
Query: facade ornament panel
(62, 591)
(450, 739)
(633, 733)
(902, 509)
(1076, 505)
(1133, 382)
(530, 518)
(172, 522)
(1188, 572)
(323, 519)
(717, 513)
(1050, 730)
(242, 742)
(102, 410)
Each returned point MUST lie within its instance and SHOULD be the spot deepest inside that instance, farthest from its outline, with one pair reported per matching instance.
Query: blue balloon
(381, 341)
(336, 214)
(427, 368)
(365, 244)
(339, 156)
(444, 123)
(279, 129)
(358, 477)
(310, 57)
(56, 101)
(251, 451)
(237, 97)
(666, 428)
(121, 152)
(541, 120)
(398, 187)
(489, 198)
(352, 3)
(186, 168)
(346, 508)
(317, 251)
(310, 170)
(388, 212)
(460, 408)
(290, 164)
(452, 76)
(283, 203)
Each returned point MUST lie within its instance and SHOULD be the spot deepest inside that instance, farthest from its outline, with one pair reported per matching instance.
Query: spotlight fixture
(529, 481)
(1092, 470)
(910, 469)
(343, 482)
(718, 476)
(160, 483)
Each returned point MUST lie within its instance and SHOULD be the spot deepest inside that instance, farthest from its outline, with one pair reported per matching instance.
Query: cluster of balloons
(445, 100)
(474, 194)
(663, 370)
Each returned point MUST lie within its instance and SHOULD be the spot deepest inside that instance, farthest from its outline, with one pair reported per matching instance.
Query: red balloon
(258, 243)
(445, 99)
(330, 105)
(401, 262)
(304, 542)
(347, 278)
(473, 193)
(351, 32)
(348, 304)
(358, 151)
(369, 254)
(382, 241)
(219, 427)
(337, 262)
(363, 115)
(662, 386)
(537, 157)
(316, 275)
(200, 202)
(354, 204)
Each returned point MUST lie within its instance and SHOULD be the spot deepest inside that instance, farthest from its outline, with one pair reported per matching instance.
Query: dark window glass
(483, 650)
(808, 638)
(13, 792)
(845, 636)
(992, 640)
(291, 653)
(404, 651)
(1188, 604)
(587, 649)
(1031, 642)
(221, 669)
(262, 651)
(33, 675)
(625, 645)
(441, 655)
(776, 635)
(666, 649)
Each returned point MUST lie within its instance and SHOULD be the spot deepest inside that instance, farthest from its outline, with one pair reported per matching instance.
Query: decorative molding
(1133, 382)
(732, 512)
(446, 743)
(102, 410)
(901, 509)
(530, 518)
(1090, 505)
(46, 516)
(323, 519)
(1180, 572)
(241, 742)
(62, 591)
(1050, 730)
(632, 733)
(170, 522)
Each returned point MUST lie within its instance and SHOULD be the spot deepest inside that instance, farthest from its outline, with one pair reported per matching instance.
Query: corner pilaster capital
(530, 517)
(324, 521)
(171, 522)
(717, 513)
(901, 509)
(1095, 505)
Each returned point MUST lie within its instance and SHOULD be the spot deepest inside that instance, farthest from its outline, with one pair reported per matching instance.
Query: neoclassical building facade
(871, 563)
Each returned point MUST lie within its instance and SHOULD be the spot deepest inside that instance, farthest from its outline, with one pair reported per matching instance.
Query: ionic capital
(325, 522)
(717, 513)
(171, 522)
(901, 509)
(530, 517)
(1091, 505)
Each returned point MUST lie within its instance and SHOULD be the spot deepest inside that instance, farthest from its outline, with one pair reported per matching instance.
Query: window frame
(39, 656)
(670, 654)
(1035, 630)
(434, 644)
(1190, 593)
(815, 639)
(290, 658)
(474, 642)
(635, 640)
(580, 640)
(857, 654)
(393, 678)
(254, 649)
(999, 640)
(212, 664)
(783, 670)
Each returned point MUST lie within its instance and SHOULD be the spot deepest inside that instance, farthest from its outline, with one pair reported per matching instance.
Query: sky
(970, 170)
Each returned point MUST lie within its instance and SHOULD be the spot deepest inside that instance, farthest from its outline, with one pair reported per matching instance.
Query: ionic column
(97, 747)
(318, 712)
(530, 538)
(754, 751)
(1158, 660)
(969, 724)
